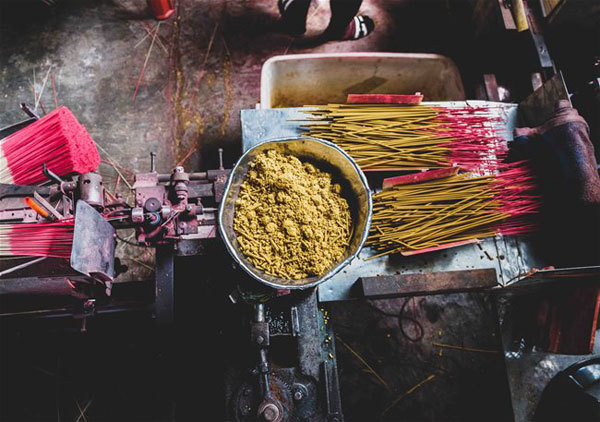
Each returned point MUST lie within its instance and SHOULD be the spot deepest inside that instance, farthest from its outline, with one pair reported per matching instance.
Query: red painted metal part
(385, 99)
(423, 176)
(162, 9)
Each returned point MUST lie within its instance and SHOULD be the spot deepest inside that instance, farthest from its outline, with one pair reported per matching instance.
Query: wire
(402, 317)
(131, 243)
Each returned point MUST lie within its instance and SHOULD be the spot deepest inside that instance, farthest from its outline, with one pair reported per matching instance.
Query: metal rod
(152, 164)
(20, 266)
(259, 312)
(25, 107)
(47, 205)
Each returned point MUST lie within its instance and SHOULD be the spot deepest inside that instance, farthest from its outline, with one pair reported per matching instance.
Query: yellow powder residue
(290, 219)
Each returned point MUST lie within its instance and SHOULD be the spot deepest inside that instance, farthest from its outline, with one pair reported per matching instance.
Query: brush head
(57, 140)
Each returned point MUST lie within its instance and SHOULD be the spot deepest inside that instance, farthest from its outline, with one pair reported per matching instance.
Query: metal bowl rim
(231, 249)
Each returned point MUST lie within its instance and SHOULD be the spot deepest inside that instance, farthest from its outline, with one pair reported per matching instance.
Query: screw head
(298, 395)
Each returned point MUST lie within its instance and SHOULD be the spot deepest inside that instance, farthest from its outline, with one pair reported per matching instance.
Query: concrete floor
(179, 93)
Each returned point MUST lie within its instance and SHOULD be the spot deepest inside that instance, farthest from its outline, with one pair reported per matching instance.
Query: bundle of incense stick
(57, 140)
(383, 137)
(37, 239)
(428, 213)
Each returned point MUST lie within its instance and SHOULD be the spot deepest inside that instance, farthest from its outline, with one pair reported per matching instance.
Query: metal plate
(93, 251)
(539, 106)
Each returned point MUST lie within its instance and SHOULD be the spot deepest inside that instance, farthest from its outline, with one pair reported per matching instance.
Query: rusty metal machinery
(293, 375)
(174, 212)
(169, 206)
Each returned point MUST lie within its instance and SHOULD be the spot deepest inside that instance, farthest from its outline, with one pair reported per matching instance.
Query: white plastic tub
(304, 79)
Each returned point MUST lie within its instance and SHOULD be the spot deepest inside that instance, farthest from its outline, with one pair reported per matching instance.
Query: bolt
(270, 413)
(298, 395)
(188, 208)
(178, 169)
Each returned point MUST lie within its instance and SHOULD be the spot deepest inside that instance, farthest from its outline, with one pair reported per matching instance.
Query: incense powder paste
(290, 219)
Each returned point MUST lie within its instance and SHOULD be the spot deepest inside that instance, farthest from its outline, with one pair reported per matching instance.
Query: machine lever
(50, 175)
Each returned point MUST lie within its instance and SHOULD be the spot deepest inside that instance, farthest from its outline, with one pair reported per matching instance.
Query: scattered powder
(290, 219)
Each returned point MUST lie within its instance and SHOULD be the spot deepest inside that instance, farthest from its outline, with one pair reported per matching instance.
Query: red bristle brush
(57, 140)
(53, 240)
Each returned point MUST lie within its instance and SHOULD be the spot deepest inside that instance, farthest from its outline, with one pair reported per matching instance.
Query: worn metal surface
(7, 191)
(442, 282)
(93, 252)
(164, 305)
(540, 105)
(330, 158)
(405, 341)
(577, 276)
(530, 370)
(53, 286)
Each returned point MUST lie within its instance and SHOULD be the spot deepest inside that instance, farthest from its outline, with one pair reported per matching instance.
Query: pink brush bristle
(58, 140)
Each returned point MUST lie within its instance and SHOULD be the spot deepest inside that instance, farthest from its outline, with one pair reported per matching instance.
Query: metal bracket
(50, 175)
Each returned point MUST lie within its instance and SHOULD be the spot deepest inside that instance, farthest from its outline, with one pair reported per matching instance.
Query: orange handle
(36, 207)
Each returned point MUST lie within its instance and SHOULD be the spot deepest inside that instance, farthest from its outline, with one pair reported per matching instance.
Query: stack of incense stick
(37, 239)
(384, 137)
(428, 213)
(57, 140)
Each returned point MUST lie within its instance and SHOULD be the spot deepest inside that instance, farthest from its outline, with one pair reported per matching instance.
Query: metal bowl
(327, 157)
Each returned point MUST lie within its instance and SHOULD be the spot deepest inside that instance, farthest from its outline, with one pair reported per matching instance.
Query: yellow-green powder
(290, 219)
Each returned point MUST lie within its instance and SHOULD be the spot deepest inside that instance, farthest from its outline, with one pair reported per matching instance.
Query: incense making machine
(173, 212)
(285, 367)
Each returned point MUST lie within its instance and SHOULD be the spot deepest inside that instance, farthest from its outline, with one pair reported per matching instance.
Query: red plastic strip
(419, 177)
(384, 99)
